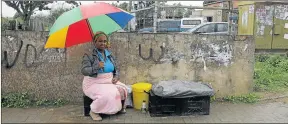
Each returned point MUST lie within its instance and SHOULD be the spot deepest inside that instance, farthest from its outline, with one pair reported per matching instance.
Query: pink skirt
(106, 96)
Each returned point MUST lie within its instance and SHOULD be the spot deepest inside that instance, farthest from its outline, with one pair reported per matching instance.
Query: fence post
(155, 17)
(16, 24)
(129, 9)
(230, 16)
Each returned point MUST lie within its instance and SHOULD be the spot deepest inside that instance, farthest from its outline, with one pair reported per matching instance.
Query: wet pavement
(269, 112)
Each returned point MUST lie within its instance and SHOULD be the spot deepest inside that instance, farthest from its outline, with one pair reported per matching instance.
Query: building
(219, 15)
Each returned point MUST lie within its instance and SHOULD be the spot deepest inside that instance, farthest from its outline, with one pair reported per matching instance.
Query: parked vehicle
(212, 28)
(175, 25)
(188, 23)
(166, 25)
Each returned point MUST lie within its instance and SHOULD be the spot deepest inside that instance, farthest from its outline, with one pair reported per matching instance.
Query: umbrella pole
(91, 32)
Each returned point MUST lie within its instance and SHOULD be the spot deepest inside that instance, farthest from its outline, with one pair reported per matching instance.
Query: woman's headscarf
(98, 34)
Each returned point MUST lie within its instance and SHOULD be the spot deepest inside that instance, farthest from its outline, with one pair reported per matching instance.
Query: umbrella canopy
(79, 24)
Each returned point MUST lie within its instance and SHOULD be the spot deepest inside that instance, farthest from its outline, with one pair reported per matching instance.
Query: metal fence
(39, 24)
(34, 24)
(145, 16)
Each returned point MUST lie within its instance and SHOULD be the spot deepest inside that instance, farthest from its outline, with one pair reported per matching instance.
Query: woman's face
(101, 42)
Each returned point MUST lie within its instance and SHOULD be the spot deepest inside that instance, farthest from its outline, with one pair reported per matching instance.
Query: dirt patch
(273, 97)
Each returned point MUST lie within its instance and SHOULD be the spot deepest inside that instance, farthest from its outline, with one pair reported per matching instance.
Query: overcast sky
(9, 12)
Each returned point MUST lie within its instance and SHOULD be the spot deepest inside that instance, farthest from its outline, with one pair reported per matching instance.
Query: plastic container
(129, 103)
(141, 93)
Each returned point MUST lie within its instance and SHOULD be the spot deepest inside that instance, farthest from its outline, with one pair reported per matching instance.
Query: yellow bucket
(139, 95)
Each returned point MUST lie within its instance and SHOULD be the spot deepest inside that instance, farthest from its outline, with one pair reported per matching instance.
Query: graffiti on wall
(156, 60)
(245, 19)
(33, 55)
(212, 52)
(264, 15)
(208, 52)
(281, 12)
(14, 48)
(264, 18)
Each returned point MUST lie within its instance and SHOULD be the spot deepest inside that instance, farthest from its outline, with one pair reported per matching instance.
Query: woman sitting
(101, 80)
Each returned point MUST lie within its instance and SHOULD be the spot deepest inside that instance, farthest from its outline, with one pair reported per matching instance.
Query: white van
(188, 23)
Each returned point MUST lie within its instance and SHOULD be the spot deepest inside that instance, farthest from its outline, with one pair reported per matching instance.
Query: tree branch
(31, 8)
(14, 5)
(23, 9)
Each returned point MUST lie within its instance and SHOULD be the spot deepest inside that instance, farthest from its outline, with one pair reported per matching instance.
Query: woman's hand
(101, 64)
(115, 80)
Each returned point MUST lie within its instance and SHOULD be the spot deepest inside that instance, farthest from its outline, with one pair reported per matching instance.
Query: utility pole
(230, 16)
(129, 9)
(155, 16)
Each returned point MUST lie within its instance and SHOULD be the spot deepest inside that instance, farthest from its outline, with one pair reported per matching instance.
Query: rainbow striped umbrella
(79, 24)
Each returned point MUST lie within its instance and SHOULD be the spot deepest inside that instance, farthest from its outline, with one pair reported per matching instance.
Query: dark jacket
(90, 65)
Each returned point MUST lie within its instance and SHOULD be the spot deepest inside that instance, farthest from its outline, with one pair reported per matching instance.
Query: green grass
(271, 73)
(25, 100)
(247, 98)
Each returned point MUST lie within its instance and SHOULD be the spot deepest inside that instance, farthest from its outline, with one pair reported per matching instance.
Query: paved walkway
(273, 112)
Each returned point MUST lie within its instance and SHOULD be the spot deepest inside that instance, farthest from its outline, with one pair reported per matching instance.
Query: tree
(25, 9)
(187, 13)
(4, 23)
(123, 6)
(114, 4)
(149, 3)
(179, 12)
(55, 13)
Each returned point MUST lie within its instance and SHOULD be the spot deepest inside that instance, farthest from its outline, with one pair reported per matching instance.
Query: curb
(272, 98)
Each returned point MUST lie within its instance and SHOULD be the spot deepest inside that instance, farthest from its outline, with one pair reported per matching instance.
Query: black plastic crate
(195, 105)
(160, 107)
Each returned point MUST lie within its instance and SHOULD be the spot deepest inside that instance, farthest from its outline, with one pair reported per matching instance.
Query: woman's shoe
(95, 117)
(123, 111)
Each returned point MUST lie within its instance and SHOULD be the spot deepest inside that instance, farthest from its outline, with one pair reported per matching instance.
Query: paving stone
(276, 112)
(15, 118)
(38, 119)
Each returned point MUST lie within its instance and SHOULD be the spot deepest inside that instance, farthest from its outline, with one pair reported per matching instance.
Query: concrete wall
(55, 73)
